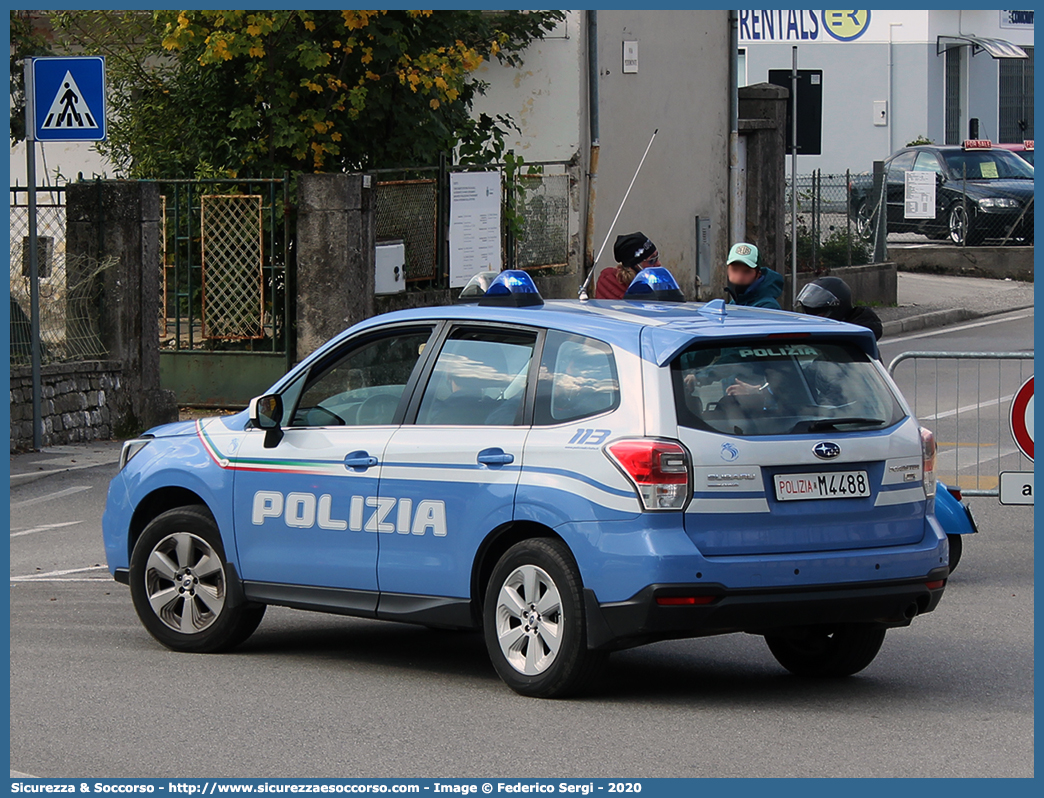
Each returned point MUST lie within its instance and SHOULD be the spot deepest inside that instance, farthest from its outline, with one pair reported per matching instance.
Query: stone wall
(872, 284)
(335, 257)
(77, 403)
(120, 219)
(762, 122)
(1015, 263)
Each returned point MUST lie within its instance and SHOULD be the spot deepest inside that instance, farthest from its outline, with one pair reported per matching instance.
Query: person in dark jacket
(633, 252)
(748, 282)
(831, 297)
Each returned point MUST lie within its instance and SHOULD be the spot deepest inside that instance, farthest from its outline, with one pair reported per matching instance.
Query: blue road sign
(69, 98)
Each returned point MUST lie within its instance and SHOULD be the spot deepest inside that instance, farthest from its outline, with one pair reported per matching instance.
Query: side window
(577, 379)
(900, 164)
(479, 379)
(927, 162)
(362, 387)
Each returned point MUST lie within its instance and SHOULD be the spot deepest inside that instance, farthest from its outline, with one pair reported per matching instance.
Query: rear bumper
(641, 619)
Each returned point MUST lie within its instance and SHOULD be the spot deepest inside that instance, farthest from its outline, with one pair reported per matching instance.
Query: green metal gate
(225, 321)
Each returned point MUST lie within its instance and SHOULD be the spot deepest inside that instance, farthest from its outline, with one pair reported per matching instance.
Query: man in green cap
(748, 283)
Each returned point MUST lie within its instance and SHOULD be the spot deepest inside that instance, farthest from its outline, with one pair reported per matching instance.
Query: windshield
(987, 165)
(769, 388)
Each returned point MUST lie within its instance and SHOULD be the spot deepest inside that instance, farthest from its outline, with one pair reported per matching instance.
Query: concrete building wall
(681, 88)
(546, 96)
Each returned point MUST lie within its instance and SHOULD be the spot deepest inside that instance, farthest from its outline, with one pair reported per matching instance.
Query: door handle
(359, 460)
(495, 456)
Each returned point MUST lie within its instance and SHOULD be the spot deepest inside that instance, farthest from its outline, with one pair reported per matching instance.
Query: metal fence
(965, 399)
(225, 252)
(412, 205)
(828, 229)
(67, 303)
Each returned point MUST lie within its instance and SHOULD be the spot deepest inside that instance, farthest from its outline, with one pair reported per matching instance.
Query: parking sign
(68, 98)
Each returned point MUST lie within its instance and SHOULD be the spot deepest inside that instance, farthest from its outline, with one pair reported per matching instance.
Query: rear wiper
(828, 423)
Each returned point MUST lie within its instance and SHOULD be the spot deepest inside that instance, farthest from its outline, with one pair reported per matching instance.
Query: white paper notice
(474, 231)
(920, 195)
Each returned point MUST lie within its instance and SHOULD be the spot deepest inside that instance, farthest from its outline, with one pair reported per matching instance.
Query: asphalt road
(92, 695)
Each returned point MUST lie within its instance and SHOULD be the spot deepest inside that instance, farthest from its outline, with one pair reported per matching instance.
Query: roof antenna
(582, 294)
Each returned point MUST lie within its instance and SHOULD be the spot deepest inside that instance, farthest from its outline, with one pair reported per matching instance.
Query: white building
(890, 77)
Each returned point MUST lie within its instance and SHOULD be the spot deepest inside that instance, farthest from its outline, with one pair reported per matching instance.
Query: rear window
(781, 388)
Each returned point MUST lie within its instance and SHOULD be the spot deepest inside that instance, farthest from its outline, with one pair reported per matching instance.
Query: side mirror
(266, 412)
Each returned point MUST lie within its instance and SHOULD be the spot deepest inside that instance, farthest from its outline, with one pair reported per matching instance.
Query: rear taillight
(928, 451)
(658, 469)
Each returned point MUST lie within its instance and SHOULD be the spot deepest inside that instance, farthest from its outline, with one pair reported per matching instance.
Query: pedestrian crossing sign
(68, 98)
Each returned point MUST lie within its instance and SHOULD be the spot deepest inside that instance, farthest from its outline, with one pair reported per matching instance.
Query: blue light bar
(514, 288)
(654, 284)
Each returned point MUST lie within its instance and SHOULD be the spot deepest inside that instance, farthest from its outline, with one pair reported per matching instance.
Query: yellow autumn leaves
(323, 45)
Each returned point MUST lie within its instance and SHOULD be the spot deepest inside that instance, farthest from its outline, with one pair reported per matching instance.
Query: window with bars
(1016, 99)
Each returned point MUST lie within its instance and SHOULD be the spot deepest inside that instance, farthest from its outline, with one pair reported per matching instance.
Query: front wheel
(962, 227)
(179, 585)
(534, 623)
(827, 651)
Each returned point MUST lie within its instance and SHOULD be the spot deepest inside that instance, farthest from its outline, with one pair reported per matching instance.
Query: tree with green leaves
(257, 93)
(29, 37)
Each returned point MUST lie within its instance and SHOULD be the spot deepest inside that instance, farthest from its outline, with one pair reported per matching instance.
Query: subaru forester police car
(568, 477)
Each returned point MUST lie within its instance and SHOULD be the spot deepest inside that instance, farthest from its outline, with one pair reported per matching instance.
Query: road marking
(44, 528)
(49, 576)
(51, 496)
(959, 328)
(970, 481)
(966, 408)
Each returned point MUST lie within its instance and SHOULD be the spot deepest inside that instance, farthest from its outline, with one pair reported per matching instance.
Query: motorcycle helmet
(826, 296)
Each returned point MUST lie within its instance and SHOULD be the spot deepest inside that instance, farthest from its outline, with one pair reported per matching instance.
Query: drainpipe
(592, 104)
(737, 193)
(891, 107)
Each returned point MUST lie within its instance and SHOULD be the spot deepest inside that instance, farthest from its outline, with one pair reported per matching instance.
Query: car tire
(956, 549)
(864, 220)
(179, 582)
(962, 226)
(827, 651)
(534, 623)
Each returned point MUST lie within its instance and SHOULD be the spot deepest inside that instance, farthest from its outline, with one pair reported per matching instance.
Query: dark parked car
(981, 192)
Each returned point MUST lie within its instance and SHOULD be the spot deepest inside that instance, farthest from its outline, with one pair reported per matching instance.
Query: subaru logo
(826, 450)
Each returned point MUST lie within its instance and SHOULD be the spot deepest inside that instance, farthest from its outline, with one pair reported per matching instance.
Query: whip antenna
(582, 294)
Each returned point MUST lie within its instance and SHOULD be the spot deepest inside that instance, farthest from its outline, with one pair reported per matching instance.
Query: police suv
(568, 477)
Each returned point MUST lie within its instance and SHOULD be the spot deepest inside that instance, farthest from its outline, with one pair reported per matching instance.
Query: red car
(1024, 150)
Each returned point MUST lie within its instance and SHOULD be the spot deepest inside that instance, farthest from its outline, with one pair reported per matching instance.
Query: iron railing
(965, 399)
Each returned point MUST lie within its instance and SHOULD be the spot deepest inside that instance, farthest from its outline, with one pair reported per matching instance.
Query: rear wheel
(956, 549)
(827, 651)
(179, 585)
(534, 623)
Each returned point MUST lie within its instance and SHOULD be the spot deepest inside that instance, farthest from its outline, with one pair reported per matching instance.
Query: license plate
(832, 485)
